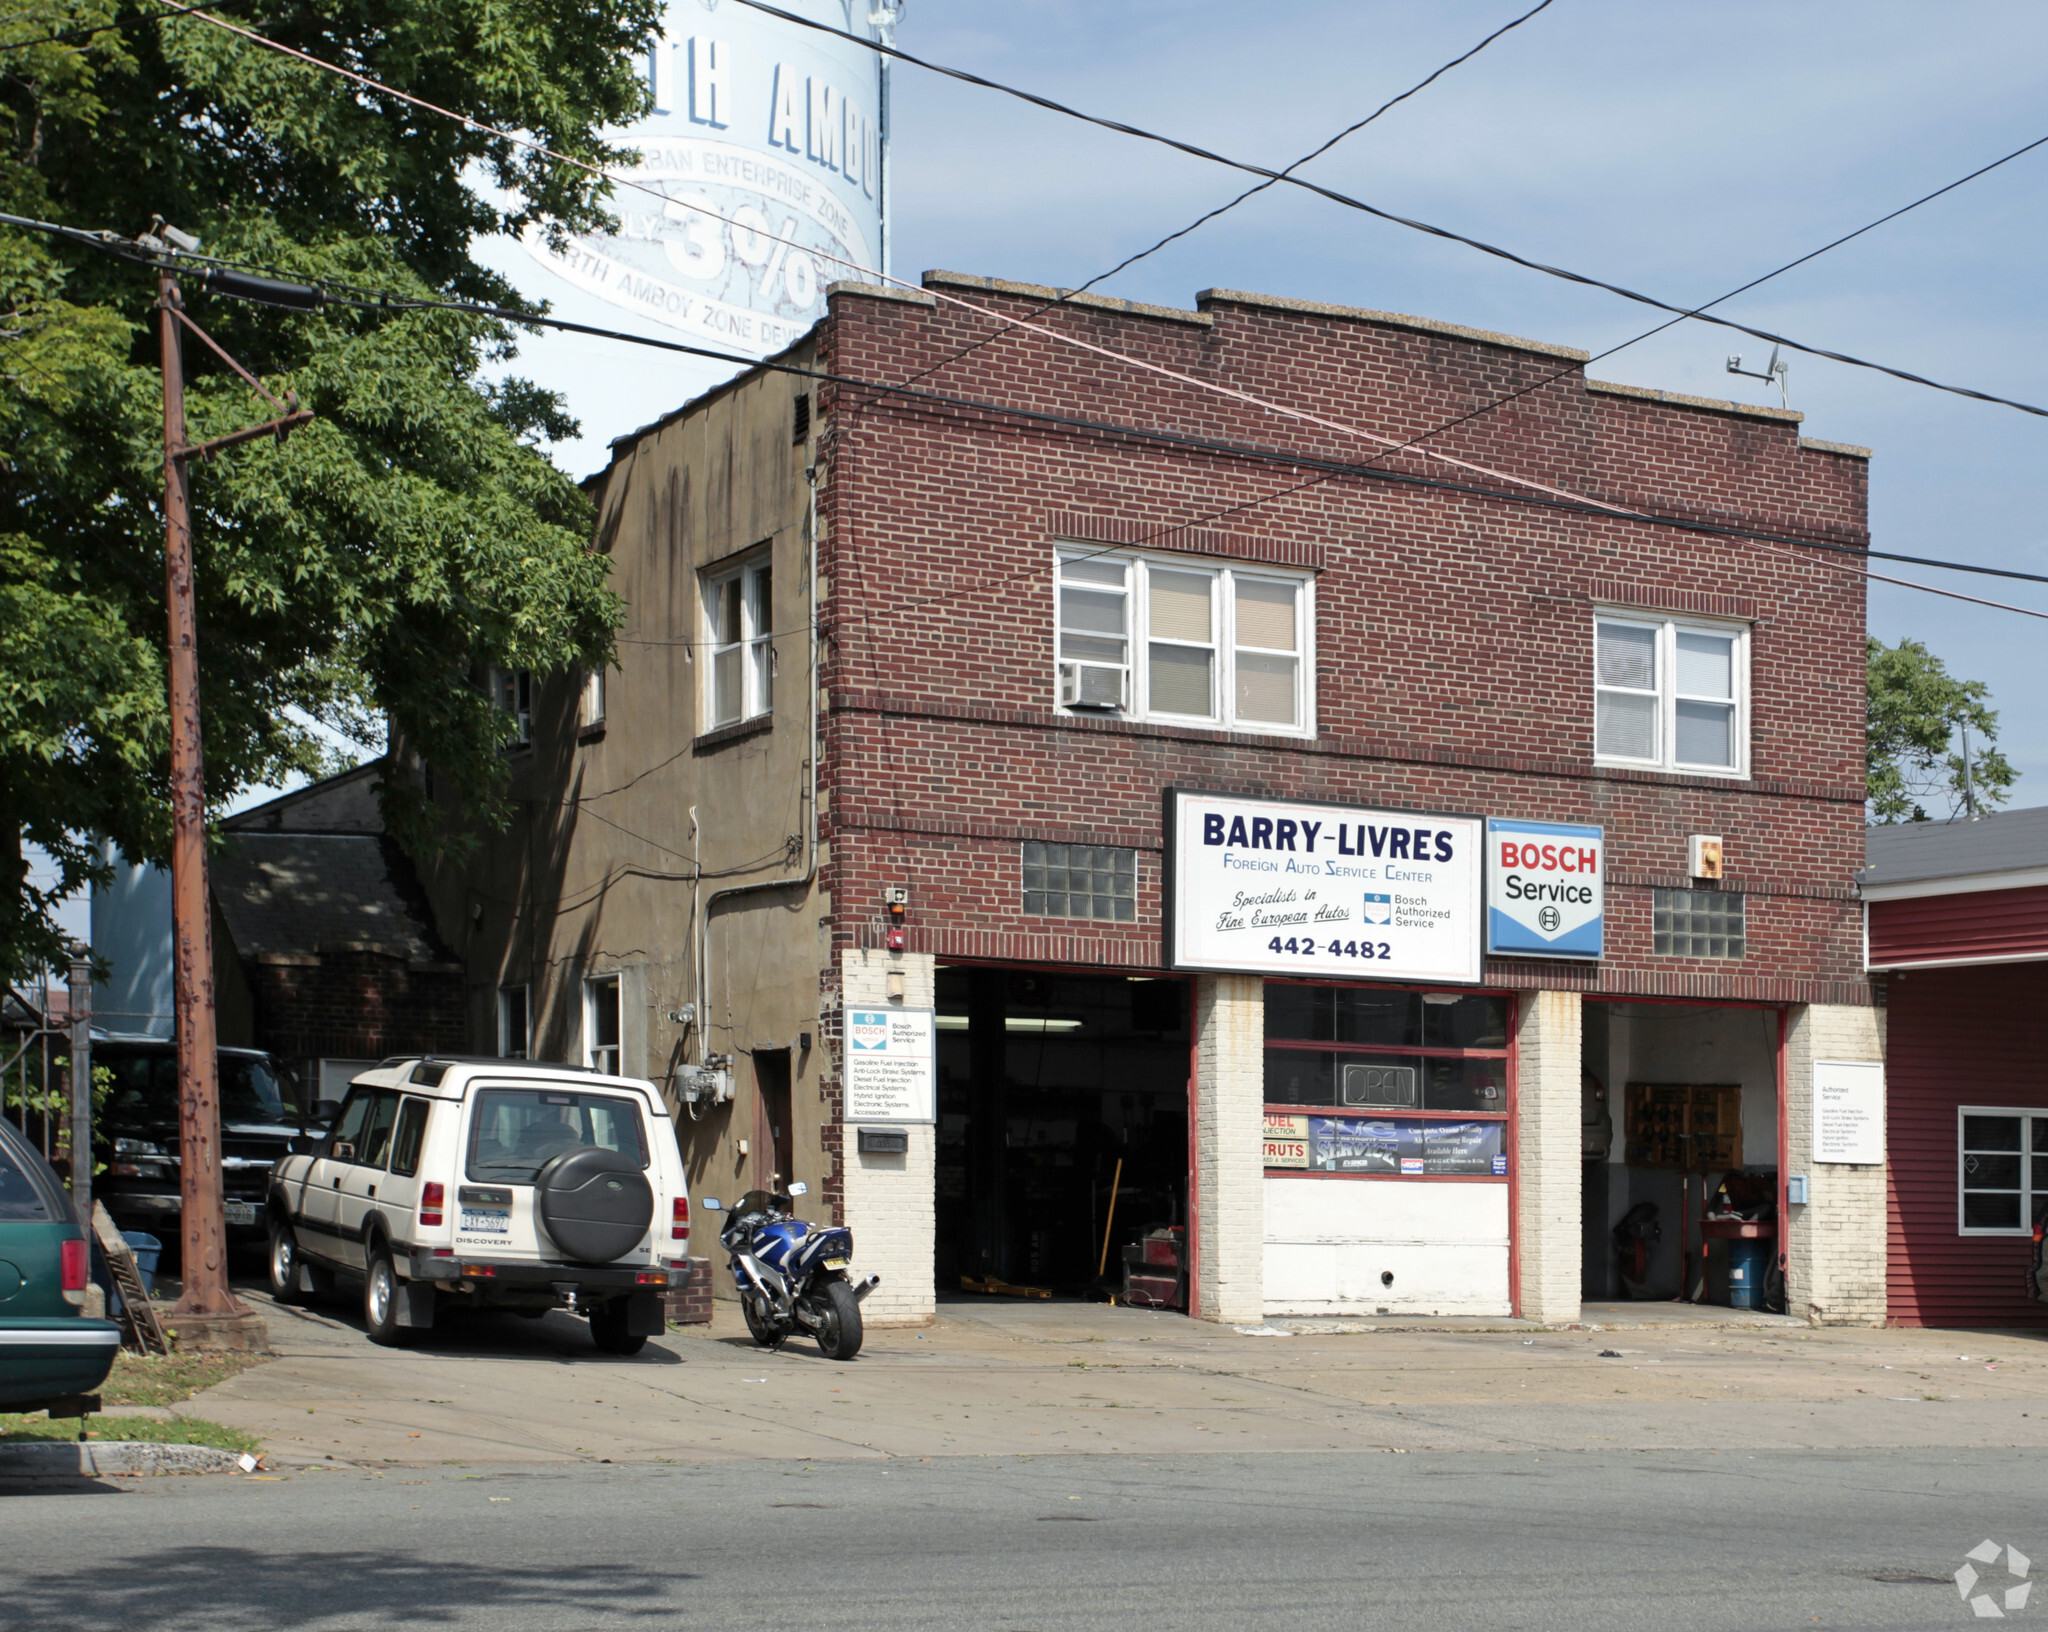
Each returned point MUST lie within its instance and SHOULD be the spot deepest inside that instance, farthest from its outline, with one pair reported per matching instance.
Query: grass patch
(165, 1379)
(179, 1431)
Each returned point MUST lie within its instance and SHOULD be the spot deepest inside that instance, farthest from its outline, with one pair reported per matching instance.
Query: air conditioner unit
(1094, 685)
(1386, 1087)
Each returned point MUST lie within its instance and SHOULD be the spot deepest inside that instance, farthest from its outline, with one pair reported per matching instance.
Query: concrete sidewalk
(1001, 1378)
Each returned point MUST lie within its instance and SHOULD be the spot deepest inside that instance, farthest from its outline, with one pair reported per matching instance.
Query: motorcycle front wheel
(839, 1323)
(760, 1327)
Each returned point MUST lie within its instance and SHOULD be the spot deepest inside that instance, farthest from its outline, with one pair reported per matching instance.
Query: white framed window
(1671, 694)
(512, 693)
(2001, 1169)
(590, 705)
(515, 1023)
(738, 622)
(601, 1024)
(1141, 637)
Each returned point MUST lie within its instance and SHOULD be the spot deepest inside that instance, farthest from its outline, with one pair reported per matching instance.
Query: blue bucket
(1747, 1264)
(146, 1249)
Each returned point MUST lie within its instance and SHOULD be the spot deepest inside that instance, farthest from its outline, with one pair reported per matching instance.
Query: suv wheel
(286, 1274)
(295, 1278)
(380, 1300)
(608, 1329)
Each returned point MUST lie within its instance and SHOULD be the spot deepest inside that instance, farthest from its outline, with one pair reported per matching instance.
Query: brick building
(1041, 640)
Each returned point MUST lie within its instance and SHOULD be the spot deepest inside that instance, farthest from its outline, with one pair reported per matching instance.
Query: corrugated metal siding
(1957, 1037)
(1977, 924)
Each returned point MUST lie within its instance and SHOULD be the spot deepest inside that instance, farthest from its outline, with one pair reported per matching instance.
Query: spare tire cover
(595, 1203)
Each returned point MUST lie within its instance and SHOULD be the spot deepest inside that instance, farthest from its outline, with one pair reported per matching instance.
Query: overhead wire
(1192, 381)
(1579, 368)
(116, 26)
(1350, 202)
(1129, 261)
(1327, 467)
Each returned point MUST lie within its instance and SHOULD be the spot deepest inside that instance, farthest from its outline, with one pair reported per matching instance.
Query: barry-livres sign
(1284, 887)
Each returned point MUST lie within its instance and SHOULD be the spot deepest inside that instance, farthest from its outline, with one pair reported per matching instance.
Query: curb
(98, 1458)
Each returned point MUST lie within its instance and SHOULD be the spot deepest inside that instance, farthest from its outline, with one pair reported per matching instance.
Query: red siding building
(1958, 922)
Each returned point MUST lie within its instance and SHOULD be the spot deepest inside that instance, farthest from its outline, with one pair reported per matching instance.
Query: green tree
(371, 568)
(1918, 714)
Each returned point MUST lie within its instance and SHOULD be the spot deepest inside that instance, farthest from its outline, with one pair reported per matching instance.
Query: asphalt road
(1669, 1541)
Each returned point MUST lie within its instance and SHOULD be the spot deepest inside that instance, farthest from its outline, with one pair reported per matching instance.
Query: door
(319, 1204)
(358, 1180)
(773, 1136)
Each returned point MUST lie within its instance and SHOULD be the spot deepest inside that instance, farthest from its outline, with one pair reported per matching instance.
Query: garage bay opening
(1680, 1123)
(1063, 1125)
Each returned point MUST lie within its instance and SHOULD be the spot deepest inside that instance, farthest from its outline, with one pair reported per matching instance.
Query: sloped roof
(2011, 841)
(346, 803)
(305, 893)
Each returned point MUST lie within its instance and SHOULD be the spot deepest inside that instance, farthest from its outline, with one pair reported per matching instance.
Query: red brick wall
(1454, 631)
(357, 1005)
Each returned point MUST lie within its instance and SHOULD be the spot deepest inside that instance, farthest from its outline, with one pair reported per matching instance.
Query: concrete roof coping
(1713, 405)
(1066, 297)
(881, 291)
(1849, 449)
(1398, 320)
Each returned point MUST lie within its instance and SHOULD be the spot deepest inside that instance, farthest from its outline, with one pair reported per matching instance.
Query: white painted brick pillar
(1230, 1107)
(1836, 1257)
(1548, 1179)
(889, 1200)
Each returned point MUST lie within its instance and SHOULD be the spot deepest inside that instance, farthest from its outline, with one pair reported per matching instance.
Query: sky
(1676, 149)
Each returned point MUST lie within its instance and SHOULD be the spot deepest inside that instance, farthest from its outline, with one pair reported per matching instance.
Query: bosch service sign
(1280, 887)
(1544, 888)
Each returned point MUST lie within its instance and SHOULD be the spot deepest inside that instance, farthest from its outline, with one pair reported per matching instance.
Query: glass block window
(1697, 924)
(1080, 881)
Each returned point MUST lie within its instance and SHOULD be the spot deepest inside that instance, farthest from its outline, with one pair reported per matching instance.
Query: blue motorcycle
(792, 1276)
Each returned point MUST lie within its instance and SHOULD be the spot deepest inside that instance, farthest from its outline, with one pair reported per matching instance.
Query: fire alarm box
(1703, 856)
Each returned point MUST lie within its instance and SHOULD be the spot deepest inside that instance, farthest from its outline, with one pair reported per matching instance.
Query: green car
(50, 1354)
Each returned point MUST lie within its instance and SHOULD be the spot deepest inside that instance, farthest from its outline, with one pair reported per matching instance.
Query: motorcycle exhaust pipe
(862, 1287)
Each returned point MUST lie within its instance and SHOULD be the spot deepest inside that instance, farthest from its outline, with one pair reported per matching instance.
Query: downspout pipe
(810, 871)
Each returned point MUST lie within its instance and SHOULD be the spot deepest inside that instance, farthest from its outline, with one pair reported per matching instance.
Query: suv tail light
(679, 1219)
(433, 1197)
(74, 1268)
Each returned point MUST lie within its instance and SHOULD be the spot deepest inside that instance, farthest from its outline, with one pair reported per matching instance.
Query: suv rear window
(515, 1132)
(21, 1198)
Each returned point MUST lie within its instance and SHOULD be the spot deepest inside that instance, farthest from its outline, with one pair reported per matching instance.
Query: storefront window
(1406, 1082)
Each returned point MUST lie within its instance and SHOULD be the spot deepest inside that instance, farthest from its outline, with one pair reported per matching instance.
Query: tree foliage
(1918, 713)
(415, 533)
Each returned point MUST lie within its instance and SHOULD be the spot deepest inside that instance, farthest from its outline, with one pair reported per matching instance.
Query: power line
(1349, 202)
(1551, 379)
(1193, 382)
(1129, 261)
(114, 27)
(1184, 441)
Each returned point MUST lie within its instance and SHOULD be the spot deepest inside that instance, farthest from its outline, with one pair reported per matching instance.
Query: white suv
(505, 1184)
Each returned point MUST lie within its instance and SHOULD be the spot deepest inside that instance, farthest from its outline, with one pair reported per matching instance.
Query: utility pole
(211, 1316)
(81, 1085)
(203, 1260)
